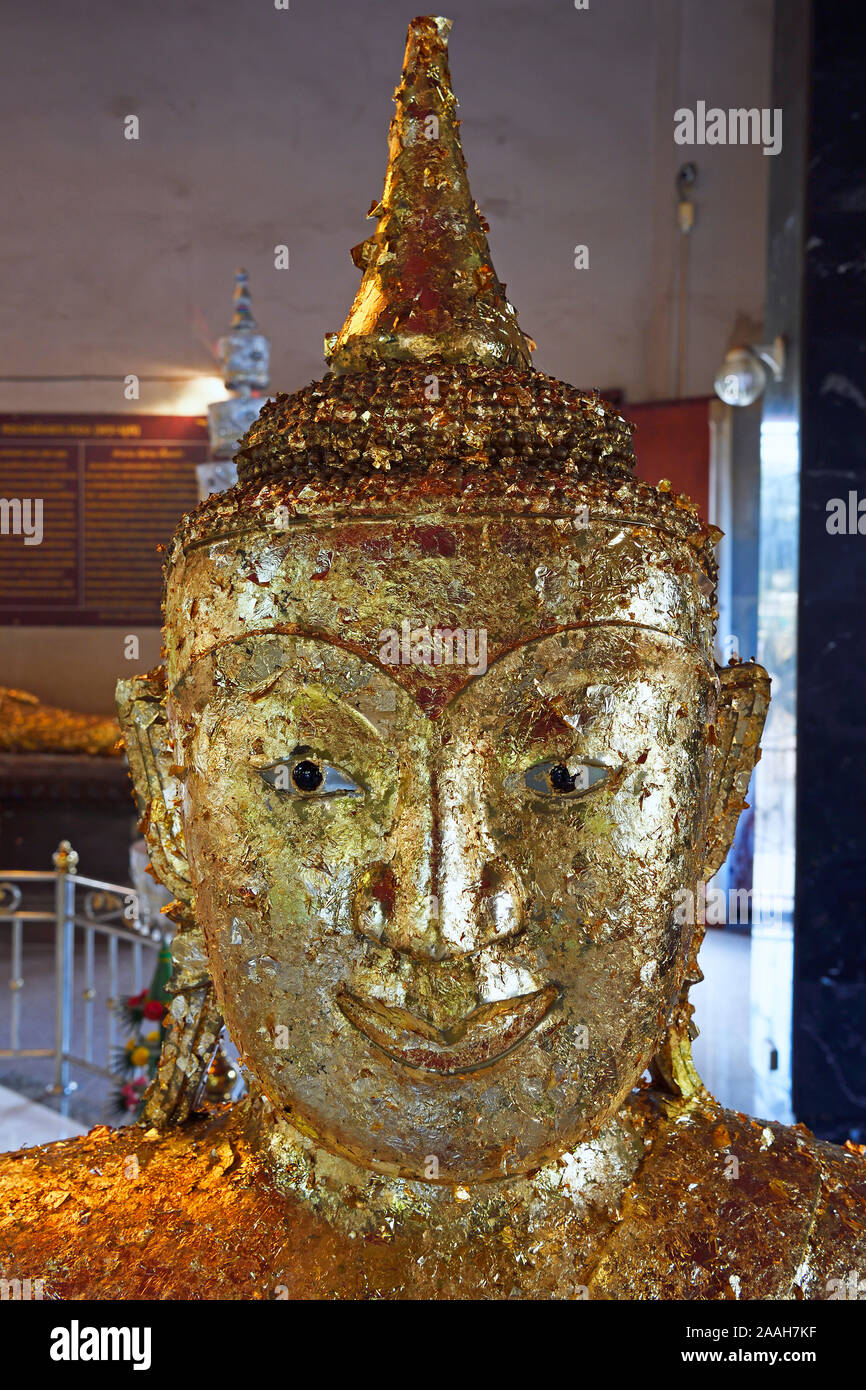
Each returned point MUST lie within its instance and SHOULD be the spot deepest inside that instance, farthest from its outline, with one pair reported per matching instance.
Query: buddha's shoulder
(109, 1161)
(836, 1254)
(721, 1206)
(136, 1213)
(727, 1206)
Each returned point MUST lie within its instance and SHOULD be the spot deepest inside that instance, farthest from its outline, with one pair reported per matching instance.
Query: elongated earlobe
(141, 710)
(736, 739)
(744, 698)
(194, 1022)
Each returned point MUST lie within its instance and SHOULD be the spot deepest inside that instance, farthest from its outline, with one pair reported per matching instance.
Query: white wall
(262, 126)
(74, 667)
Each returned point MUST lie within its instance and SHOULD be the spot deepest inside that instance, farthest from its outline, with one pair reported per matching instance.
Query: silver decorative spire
(244, 355)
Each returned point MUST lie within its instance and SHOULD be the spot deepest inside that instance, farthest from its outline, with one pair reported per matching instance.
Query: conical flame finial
(429, 290)
(242, 316)
(244, 352)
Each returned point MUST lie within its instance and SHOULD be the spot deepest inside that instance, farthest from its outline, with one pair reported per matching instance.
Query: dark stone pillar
(829, 1032)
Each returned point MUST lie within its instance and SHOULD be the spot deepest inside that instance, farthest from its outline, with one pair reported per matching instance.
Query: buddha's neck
(594, 1175)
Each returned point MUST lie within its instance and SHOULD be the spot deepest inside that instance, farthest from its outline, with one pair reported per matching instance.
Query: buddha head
(448, 744)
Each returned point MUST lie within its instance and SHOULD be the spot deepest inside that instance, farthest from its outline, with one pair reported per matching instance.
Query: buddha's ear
(193, 1023)
(158, 788)
(735, 737)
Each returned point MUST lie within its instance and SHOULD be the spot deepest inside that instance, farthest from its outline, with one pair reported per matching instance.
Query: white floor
(92, 1100)
(23, 1123)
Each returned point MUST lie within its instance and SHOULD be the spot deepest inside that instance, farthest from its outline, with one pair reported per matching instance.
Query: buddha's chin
(464, 1159)
(472, 1170)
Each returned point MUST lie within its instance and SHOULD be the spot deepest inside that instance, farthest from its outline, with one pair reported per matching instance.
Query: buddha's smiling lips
(479, 1039)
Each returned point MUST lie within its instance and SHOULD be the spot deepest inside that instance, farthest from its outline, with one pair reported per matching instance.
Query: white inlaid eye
(308, 777)
(565, 779)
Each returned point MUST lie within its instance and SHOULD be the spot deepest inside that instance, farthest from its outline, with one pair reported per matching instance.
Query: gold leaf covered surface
(195, 1213)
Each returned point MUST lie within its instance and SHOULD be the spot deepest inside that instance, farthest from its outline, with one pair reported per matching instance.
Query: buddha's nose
(445, 891)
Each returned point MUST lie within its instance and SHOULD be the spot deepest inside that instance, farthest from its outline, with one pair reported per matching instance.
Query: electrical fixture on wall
(745, 371)
(686, 179)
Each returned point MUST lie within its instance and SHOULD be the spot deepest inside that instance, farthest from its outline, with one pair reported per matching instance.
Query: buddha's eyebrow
(580, 705)
(561, 711)
(341, 701)
(363, 719)
(547, 722)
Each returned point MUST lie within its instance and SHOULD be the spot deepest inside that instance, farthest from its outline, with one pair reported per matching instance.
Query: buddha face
(442, 927)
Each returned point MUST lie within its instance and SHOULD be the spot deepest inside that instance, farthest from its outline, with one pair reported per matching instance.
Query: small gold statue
(439, 744)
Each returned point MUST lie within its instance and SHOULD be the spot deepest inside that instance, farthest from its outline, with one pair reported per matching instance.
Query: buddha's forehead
(548, 686)
(498, 583)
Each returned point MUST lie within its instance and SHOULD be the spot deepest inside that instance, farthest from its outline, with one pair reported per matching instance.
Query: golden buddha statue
(439, 744)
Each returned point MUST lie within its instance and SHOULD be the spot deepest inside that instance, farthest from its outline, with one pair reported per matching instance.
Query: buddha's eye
(564, 779)
(307, 777)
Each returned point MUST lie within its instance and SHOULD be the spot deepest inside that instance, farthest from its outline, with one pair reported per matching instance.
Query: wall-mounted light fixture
(744, 373)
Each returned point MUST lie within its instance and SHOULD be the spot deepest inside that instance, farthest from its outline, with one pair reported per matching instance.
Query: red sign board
(85, 500)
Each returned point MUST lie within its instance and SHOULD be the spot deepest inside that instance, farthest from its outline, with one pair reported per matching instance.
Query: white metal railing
(106, 911)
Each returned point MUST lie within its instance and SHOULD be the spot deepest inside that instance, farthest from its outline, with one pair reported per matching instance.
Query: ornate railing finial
(65, 858)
